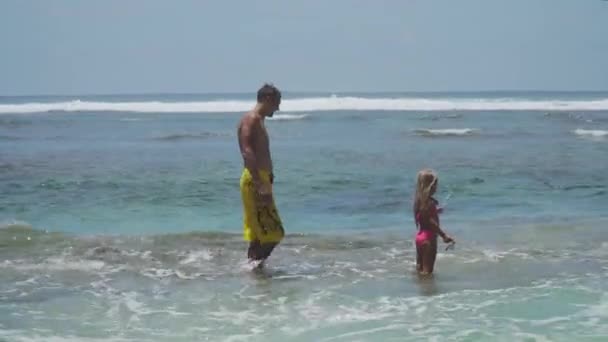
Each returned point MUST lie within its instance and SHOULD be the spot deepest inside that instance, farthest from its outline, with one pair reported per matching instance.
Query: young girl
(426, 215)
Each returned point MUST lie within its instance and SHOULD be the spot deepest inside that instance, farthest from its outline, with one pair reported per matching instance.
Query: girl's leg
(433, 252)
(418, 259)
(426, 252)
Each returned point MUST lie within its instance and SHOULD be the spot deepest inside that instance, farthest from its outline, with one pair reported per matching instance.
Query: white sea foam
(447, 132)
(288, 117)
(595, 133)
(194, 257)
(330, 103)
(15, 224)
(56, 264)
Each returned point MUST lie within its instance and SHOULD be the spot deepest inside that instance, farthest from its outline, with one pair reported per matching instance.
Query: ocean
(121, 218)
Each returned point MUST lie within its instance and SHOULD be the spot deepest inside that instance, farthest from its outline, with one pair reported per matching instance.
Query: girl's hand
(447, 239)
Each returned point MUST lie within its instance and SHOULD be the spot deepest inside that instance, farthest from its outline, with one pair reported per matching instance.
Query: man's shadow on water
(267, 273)
(264, 273)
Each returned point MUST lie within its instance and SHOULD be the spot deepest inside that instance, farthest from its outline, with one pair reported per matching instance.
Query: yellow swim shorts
(259, 223)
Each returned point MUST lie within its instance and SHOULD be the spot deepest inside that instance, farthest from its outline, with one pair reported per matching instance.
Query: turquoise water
(121, 218)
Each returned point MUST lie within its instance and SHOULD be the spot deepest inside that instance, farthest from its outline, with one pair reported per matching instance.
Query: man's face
(274, 103)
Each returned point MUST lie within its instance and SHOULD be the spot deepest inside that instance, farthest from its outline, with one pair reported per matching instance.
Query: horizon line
(329, 92)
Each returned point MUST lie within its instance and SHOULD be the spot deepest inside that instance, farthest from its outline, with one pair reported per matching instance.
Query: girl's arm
(434, 221)
(437, 229)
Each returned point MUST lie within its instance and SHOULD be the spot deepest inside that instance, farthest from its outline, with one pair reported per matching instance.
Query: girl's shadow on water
(427, 286)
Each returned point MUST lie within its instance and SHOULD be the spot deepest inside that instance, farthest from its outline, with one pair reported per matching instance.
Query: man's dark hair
(268, 90)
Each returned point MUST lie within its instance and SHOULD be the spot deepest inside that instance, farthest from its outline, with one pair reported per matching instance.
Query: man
(261, 223)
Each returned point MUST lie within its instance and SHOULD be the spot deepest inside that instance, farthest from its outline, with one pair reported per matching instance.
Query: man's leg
(266, 249)
(250, 222)
(258, 251)
(262, 223)
(254, 252)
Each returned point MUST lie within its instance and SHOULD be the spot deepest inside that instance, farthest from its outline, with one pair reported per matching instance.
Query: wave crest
(288, 117)
(446, 132)
(190, 136)
(331, 103)
(595, 133)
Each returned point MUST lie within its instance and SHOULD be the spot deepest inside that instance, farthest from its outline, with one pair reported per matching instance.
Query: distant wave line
(331, 103)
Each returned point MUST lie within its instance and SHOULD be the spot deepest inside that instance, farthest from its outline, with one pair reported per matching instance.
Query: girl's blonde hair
(422, 199)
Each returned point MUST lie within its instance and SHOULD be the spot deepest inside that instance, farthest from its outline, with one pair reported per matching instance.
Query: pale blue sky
(116, 46)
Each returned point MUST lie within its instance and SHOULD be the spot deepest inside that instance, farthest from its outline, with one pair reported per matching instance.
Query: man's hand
(264, 194)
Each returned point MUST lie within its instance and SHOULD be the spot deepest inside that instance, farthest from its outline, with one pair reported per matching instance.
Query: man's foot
(256, 265)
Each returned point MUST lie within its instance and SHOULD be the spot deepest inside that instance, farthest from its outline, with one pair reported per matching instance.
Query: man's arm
(248, 151)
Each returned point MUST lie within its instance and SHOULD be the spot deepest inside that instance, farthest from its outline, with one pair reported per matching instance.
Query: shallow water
(125, 225)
